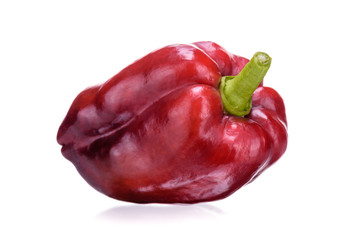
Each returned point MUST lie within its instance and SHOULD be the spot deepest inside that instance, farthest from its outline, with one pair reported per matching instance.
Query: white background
(52, 50)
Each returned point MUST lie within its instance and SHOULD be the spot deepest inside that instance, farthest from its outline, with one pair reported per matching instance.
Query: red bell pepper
(184, 124)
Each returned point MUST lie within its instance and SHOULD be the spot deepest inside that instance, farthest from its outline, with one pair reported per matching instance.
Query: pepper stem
(236, 91)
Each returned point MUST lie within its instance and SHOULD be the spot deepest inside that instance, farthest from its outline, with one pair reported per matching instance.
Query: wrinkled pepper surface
(184, 124)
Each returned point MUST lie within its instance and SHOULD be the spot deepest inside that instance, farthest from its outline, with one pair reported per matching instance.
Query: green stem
(236, 91)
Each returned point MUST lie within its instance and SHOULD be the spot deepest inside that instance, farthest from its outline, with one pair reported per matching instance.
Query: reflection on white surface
(159, 213)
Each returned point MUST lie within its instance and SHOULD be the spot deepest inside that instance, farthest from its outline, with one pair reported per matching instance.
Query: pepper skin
(157, 132)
